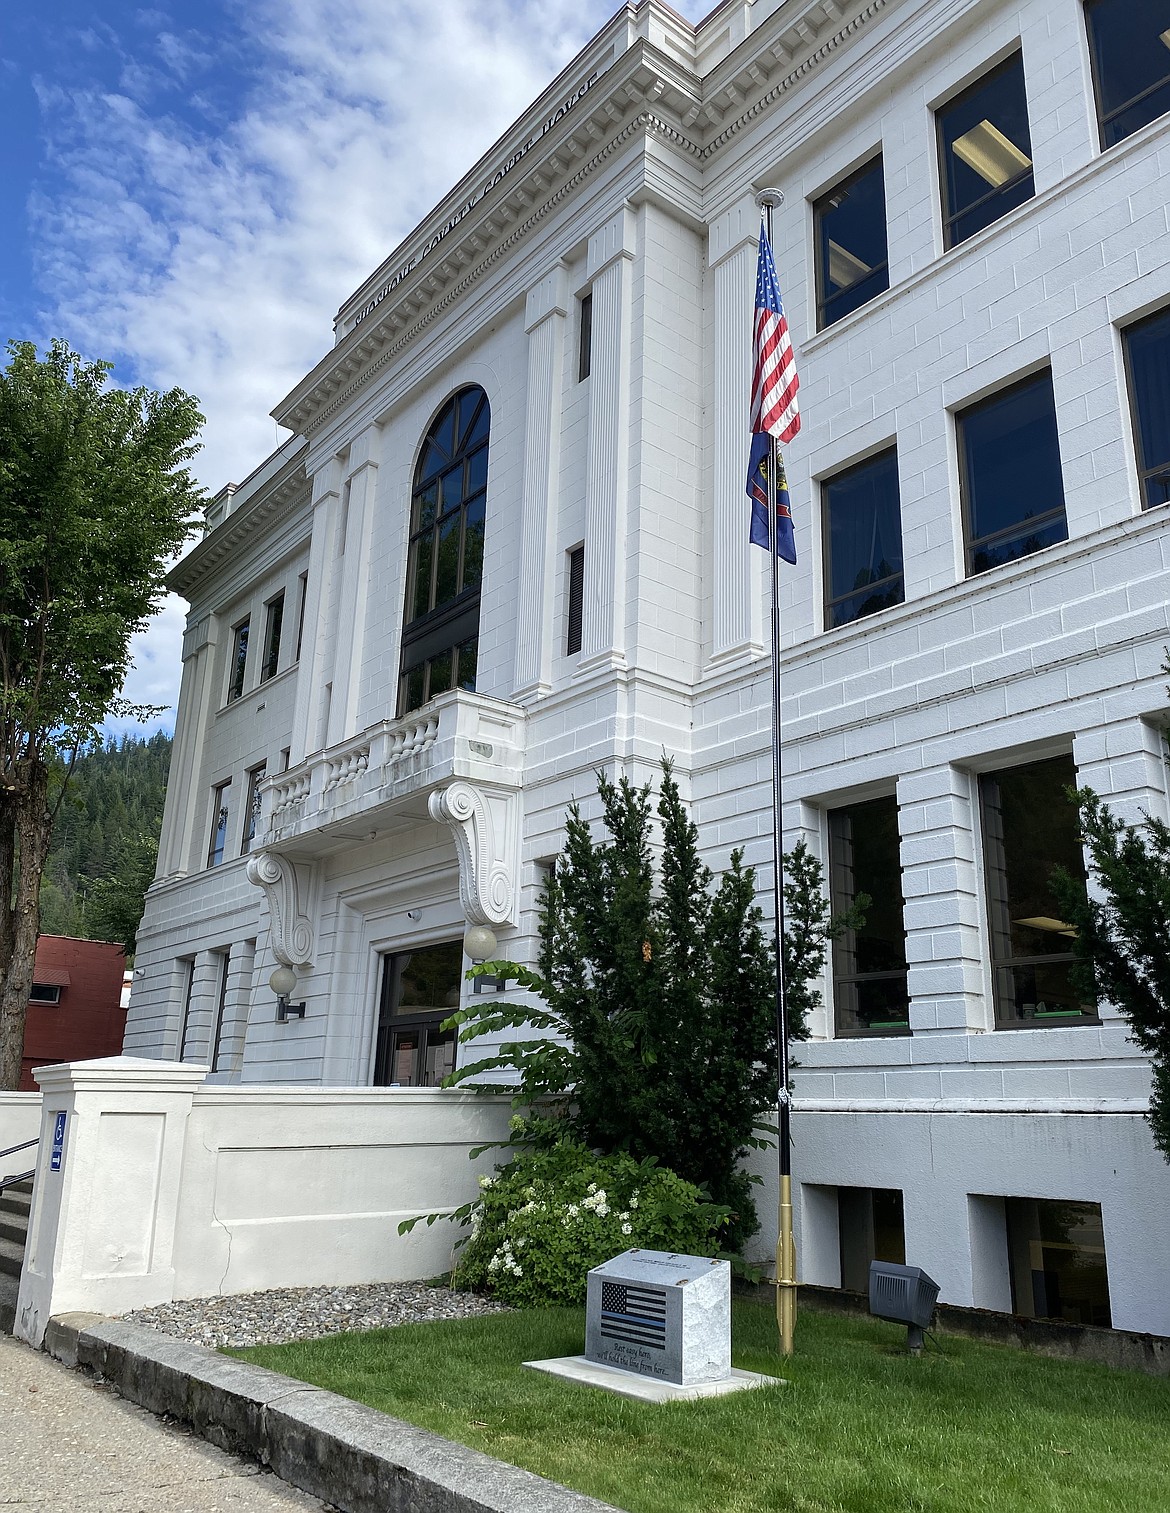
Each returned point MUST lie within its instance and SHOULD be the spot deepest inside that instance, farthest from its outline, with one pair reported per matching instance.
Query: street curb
(352, 1456)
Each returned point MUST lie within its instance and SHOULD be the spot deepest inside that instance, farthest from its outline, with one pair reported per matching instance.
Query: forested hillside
(105, 841)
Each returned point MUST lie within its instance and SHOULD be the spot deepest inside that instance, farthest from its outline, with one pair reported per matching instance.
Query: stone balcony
(459, 761)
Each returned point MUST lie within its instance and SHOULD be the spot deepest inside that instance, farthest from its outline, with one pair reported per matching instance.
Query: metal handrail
(17, 1178)
(24, 1146)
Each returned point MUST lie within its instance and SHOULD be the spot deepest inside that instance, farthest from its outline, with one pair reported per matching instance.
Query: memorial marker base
(647, 1389)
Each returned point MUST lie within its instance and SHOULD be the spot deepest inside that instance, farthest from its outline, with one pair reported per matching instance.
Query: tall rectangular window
(585, 337)
(1011, 483)
(1030, 826)
(1147, 360)
(420, 989)
(851, 244)
(188, 970)
(870, 985)
(862, 522)
(1129, 41)
(274, 618)
(221, 1007)
(239, 662)
(302, 595)
(576, 602)
(252, 806)
(985, 151)
(220, 808)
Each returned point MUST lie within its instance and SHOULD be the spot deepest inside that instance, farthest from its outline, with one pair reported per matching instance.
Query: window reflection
(985, 149)
(863, 540)
(851, 244)
(870, 992)
(1130, 45)
(1029, 827)
(1013, 491)
(420, 989)
(1147, 354)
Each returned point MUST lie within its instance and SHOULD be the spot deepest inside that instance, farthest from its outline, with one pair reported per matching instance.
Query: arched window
(440, 632)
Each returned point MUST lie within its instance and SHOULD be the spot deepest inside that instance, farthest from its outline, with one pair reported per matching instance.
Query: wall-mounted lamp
(282, 982)
(481, 945)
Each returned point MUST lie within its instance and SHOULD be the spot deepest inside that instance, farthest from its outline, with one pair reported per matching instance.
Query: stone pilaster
(315, 670)
(181, 838)
(353, 578)
(737, 626)
(608, 267)
(941, 886)
(548, 306)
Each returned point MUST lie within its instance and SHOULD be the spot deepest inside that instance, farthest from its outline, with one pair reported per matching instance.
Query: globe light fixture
(282, 982)
(480, 943)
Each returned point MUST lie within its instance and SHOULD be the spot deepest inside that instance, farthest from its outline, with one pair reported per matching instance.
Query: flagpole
(768, 200)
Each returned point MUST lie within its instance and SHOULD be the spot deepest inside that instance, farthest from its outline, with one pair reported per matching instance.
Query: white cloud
(215, 261)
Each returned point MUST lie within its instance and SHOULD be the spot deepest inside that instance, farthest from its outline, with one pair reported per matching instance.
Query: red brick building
(75, 1009)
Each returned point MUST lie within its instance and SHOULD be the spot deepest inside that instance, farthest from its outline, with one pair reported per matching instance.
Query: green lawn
(861, 1427)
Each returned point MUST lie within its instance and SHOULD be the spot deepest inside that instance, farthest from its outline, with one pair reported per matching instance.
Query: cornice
(461, 242)
(287, 494)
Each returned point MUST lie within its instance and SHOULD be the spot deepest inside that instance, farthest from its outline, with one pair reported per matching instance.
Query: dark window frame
(1147, 473)
(843, 895)
(255, 776)
(425, 1023)
(238, 665)
(585, 336)
(450, 627)
(1106, 118)
(821, 252)
(221, 1008)
(45, 992)
(825, 485)
(575, 598)
(949, 214)
(997, 893)
(273, 625)
(302, 596)
(188, 998)
(971, 543)
(221, 819)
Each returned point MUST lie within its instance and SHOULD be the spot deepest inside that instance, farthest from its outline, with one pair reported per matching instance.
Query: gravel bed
(306, 1313)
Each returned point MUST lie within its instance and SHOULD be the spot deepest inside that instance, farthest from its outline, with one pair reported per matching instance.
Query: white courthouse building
(506, 544)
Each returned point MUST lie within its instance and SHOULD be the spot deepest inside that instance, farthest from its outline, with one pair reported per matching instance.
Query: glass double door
(419, 990)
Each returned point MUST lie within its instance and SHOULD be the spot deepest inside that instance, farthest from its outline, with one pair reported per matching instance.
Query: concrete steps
(14, 1211)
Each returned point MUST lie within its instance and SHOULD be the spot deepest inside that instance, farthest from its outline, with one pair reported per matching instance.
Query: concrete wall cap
(118, 1073)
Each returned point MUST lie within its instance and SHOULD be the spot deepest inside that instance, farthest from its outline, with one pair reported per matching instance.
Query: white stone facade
(633, 179)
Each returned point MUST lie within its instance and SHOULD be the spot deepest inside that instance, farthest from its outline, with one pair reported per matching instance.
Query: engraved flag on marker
(636, 1315)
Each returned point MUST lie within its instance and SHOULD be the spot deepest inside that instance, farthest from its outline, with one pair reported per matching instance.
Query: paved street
(68, 1443)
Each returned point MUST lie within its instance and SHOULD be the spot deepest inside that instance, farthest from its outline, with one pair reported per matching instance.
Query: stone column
(182, 841)
(237, 1002)
(353, 577)
(608, 267)
(202, 1006)
(940, 883)
(548, 305)
(737, 626)
(106, 1195)
(1125, 763)
(315, 670)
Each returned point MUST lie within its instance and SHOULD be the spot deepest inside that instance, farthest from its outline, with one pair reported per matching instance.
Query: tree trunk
(25, 819)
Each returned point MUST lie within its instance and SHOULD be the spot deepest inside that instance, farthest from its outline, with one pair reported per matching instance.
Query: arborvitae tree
(661, 998)
(1122, 941)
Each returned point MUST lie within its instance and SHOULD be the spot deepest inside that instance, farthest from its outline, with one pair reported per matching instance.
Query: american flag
(634, 1314)
(774, 380)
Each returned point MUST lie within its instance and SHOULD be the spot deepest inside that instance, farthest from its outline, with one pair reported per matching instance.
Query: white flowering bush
(553, 1212)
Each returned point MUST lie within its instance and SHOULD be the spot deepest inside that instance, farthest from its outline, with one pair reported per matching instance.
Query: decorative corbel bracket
(290, 889)
(486, 825)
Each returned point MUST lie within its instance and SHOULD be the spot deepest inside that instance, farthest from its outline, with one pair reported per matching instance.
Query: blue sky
(190, 190)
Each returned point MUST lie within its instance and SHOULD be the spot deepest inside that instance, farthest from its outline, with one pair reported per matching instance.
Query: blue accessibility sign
(58, 1141)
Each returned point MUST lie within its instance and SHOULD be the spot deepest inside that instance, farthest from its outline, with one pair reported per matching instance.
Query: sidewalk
(70, 1444)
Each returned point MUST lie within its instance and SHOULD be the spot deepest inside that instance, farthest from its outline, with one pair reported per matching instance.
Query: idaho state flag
(757, 490)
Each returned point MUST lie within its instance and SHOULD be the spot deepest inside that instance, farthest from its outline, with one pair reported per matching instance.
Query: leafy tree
(656, 1024)
(1122, 944)
(94, 499)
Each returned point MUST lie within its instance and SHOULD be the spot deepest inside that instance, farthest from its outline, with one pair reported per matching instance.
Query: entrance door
(419, 990)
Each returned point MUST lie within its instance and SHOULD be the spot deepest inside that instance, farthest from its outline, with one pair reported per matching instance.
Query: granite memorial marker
(661, 1315)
